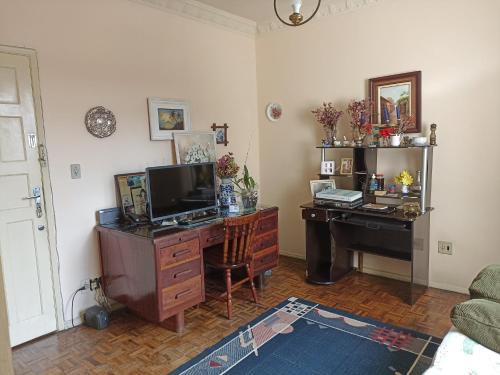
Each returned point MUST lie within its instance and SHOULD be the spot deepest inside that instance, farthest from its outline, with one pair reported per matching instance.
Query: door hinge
(42, 155)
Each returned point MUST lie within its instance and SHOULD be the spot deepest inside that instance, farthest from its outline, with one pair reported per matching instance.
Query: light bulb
(297, 4)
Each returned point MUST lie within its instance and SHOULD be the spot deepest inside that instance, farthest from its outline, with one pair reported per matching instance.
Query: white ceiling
(263, 10)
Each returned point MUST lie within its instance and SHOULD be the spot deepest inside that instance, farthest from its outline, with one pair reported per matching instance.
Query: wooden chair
(235, 253)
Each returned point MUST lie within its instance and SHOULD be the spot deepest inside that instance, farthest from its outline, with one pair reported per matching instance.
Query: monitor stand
(199, 219)
(168, 223)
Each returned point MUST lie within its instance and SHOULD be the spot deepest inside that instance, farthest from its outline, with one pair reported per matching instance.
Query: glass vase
(330, 134)
(249, 200)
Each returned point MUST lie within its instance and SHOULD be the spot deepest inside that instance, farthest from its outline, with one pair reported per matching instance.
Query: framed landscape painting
(168, 117)
(397, 97)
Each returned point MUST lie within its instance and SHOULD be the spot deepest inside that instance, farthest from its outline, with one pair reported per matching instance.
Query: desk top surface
(396, 215)
(153, 231)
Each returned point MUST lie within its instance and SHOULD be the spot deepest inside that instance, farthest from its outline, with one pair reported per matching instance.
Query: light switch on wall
(76, 172)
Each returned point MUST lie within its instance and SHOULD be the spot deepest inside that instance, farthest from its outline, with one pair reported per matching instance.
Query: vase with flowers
(328, 116)
(384, 134)
(405, 179)
(360, 114)
(227, 169)
(406, 122)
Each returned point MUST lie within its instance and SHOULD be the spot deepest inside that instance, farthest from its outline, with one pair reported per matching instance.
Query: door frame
(47, 187)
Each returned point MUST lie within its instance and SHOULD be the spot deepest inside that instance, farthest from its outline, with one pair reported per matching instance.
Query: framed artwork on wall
(220, 134)
(195, 147)
(395, 98)
(168, 117)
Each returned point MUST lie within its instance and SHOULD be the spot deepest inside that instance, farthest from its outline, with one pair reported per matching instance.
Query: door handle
(37, 197)
(33, 197)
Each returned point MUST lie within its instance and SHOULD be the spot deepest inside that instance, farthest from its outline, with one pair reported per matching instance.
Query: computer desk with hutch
(158, 272)
(333, 235)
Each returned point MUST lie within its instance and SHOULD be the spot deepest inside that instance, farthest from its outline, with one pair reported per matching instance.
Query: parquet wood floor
(132, 346)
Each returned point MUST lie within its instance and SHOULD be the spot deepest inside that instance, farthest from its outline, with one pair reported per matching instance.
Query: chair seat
(213, 256)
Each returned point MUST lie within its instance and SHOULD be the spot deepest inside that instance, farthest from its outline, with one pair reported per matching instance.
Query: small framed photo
(168, 117)
(220, 134)
(195, 147)
(346, 166)
(321, 185)
(397, 97)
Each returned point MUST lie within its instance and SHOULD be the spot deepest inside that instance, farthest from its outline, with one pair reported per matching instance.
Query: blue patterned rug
(302, 337)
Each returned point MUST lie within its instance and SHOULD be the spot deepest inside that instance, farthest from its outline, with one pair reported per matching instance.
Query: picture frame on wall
(168, 117)
(220, 134)
(395, 97)
(195, 147)
(346, 166)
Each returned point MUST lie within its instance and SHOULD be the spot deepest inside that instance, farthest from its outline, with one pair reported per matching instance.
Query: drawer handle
(181, 253)
(182, 294)
(182, 273)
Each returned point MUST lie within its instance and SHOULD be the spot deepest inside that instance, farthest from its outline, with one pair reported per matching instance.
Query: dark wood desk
(333, 235)
(158, 272)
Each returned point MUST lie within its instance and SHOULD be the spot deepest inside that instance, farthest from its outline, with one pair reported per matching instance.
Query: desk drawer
(175, 275)
(265, 241)
(267, 224)
(212, 236)
(314, 214)
(189, 290)
(174, 239)
(265, 260)
(177, 253)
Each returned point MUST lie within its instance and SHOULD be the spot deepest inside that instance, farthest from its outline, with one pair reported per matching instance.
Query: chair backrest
(238, 240)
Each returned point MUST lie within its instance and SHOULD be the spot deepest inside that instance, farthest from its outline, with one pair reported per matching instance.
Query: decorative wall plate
(100, 122)
(274, 111)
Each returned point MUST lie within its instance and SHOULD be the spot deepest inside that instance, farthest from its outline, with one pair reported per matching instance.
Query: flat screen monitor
(180, 189)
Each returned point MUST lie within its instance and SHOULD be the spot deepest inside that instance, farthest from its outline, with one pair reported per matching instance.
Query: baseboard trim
(449, 287)
(292, 255)
(389, 275)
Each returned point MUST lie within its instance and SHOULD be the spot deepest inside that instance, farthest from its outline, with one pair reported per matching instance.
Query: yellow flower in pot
(405, 179)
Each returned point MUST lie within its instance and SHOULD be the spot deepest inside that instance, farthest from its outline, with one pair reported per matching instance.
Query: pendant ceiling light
(296, 18)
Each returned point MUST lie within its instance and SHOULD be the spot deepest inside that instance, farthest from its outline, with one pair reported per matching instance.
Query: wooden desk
(159, 273)
(334, 234)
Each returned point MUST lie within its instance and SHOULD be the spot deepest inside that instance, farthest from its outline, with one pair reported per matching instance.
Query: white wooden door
(24, 247)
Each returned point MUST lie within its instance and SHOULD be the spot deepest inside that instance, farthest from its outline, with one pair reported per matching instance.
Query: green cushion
(479, 319)
(487, 284)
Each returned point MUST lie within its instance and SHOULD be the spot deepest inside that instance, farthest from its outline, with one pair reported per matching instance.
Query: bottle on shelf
(373, 184)
(417, 186)
(380, 181)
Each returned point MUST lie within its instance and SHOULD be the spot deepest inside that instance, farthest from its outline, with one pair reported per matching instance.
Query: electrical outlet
(76, 171)
(95, 283)
(445, 247)
(86, 284)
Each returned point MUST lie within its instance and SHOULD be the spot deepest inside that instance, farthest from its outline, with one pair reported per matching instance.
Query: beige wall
(455, 44)
(117, 53)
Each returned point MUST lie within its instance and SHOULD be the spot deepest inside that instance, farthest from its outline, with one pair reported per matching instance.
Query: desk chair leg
(252, 285)
(229, 297)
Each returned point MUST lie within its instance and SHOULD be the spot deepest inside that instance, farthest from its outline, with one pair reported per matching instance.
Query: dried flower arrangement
(227, 167)
(328, 116)
(360, 113)
(406, 122)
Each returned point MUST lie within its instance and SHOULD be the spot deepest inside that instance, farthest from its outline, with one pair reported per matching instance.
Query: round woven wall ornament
(100, 122)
